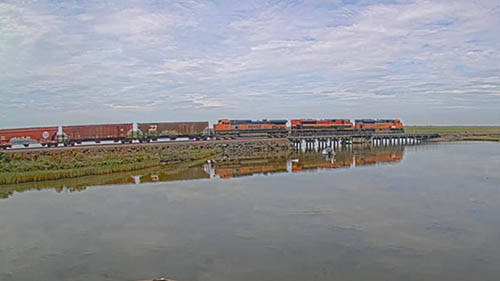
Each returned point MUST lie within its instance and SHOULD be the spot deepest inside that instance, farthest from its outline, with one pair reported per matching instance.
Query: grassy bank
(453, 129)
(23, 167)
(482, 138)
(180, 171)
(459, 133)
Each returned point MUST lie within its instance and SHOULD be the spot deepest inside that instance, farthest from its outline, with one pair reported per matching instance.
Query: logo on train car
(22, 140)
(45, 135)
(254, 126)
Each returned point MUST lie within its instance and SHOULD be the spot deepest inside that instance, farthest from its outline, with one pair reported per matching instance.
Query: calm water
(429, 212)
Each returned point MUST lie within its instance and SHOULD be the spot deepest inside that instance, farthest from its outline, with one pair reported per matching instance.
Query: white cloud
(356, 96)
(132, 107)
(203, 101)
(133, 22)
(25, 25)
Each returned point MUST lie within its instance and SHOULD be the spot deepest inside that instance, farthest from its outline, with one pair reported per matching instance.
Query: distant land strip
(458, 133)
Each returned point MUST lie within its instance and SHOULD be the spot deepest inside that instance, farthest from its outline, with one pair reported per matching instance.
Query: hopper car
(173, 130)
(230, 129)
(46, 136)
(97, 133)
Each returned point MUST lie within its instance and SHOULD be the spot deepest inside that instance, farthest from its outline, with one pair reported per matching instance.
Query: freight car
(227, 129)
(173, 130)
(97, 133)
(301, 127)
(46, 136)
(379, 125)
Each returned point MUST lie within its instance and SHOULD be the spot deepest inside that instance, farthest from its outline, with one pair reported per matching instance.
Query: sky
(91, 61)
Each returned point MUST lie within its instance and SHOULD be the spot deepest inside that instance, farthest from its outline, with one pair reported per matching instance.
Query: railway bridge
(358, 138)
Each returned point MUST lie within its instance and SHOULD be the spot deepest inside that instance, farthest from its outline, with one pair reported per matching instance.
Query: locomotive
(300, 127)
(230, 129)
(223, 129)
(391, 125)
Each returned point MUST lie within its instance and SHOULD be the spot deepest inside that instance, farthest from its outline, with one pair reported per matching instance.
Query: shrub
(4, 157)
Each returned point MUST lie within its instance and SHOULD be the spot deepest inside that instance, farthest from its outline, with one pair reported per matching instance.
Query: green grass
(452, 129)
(26, 167)
(483, 138)
(167, 172)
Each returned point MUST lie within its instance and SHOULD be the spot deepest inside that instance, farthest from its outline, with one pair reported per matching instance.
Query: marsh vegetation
(25, 167)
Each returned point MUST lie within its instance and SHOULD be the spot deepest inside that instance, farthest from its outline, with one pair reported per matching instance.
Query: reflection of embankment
(307, 161)
(81, 183)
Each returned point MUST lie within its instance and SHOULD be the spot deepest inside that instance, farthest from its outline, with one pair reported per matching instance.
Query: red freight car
(26, 136)
(173, 130)
(98, 133)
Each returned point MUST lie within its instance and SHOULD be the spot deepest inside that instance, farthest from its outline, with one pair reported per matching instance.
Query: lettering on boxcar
(153, 128)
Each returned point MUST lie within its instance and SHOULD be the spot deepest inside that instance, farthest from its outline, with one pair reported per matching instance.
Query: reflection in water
(306, 161)
(227, 169)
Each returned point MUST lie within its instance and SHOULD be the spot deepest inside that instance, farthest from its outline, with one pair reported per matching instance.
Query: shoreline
(459, 133)
(36, 165)
(450, 137)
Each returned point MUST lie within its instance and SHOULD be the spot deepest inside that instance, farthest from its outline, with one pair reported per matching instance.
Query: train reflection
(305, 162)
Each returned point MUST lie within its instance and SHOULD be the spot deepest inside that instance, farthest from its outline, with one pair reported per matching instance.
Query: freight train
(223, 129)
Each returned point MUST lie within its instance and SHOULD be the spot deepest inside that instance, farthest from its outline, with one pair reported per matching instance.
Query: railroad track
(187, 142)
(126, 145)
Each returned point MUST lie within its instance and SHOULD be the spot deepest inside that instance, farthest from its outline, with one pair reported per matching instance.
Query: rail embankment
(458, 133)
(33, 165)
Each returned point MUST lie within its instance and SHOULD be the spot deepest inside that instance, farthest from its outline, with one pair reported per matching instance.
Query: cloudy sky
(93, 61)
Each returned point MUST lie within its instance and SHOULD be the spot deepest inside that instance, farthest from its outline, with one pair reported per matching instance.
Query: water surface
(429, 212)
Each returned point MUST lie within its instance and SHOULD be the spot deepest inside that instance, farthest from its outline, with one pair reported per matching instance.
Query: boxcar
(388, 125)
(312, 126)
(26, 136)
(247, 128)
(98, 133)
(173, 130)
